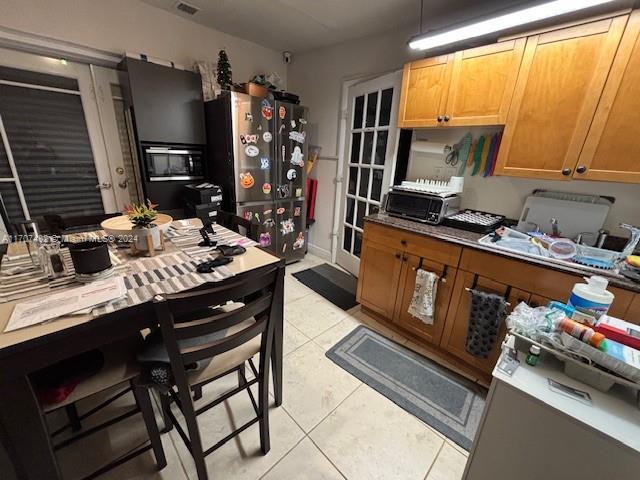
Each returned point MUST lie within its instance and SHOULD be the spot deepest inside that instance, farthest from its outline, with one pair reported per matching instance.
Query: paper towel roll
(430, 147)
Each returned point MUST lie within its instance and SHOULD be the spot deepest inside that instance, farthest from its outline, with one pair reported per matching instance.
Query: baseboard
(320, 252)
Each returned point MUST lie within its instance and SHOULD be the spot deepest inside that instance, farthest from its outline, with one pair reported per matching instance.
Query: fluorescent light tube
(502, 22)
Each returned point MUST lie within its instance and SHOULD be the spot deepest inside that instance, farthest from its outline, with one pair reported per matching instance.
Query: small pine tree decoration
(224, 70)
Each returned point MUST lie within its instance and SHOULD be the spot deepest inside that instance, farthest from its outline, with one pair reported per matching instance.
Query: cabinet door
(455, 332)
(425, 84)
(560, 81)
(612, 146)
(380, 268)
(402, 318)
(482, 84)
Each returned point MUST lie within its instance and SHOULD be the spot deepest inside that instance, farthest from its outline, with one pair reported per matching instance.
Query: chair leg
(165, 404)
(193, 433)
(242, 375)
(144, 402)
(74, 419)
(263, 405)
(197, 393)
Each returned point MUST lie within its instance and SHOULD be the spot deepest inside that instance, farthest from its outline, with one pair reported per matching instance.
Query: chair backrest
(186, 316)
(58, 225)
(233, 222)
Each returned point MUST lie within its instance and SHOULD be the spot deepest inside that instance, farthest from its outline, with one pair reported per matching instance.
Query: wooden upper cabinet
(613, 143)
(561, 78)
(425, 84)
(482, 84)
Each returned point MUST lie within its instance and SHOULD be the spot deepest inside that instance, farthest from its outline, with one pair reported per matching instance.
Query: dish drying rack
(441, 188)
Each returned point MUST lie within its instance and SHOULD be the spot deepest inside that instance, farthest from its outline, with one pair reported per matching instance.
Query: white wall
(129, 25)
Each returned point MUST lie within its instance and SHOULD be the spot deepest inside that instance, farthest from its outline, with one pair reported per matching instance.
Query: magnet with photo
(251, 151)
(296, 211)
(266, 109)
(282, 112)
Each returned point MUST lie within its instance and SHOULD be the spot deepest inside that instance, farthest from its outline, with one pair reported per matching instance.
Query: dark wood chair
(249, 330)
(58, 225)
(119, 376)
(235, 222)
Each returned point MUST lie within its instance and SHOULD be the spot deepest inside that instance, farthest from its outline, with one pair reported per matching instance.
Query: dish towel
(486, 314)
(422, 304)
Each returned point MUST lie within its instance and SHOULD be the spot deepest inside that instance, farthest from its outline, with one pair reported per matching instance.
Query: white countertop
(615, 413)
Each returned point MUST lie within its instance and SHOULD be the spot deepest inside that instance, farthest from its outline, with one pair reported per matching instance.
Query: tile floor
(330, 426)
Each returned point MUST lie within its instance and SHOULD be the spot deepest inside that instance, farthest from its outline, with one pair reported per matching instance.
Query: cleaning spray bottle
(591, 298)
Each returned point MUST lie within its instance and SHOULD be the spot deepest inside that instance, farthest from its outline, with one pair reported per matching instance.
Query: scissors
(452, 157)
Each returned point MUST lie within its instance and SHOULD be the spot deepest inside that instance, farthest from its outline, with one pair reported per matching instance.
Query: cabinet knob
(397, 255)
(440, 118)
(566, 172)
(581, 169)
(404, 258)
(403, 242)
(447, 118)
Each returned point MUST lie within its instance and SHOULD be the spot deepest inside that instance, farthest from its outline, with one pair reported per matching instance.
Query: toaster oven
(419, 206)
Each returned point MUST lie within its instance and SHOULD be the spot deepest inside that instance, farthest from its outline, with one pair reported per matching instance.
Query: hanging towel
(463, 152)
(471, 153)
(486, 314)
(477, 155)
(423, 303)
(492, 157)
(498, 142)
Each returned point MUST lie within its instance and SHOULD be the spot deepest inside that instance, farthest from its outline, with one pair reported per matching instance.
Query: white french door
(367, 161)
(53, 156)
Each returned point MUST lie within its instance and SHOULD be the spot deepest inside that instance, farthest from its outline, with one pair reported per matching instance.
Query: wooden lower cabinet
(403, 319)
(380, 268)
(456, 326)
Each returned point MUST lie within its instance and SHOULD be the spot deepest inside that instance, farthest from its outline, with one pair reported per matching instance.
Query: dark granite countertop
(470, 239)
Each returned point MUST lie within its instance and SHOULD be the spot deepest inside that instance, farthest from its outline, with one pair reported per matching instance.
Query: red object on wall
(312, 189)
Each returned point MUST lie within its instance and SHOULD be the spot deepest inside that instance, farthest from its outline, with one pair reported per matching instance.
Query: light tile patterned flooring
(330, 426)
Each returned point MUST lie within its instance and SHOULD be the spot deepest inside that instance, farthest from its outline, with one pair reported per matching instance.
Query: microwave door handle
(191, 164)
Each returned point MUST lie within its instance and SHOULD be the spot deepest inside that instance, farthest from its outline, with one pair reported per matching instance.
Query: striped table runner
(188, 238)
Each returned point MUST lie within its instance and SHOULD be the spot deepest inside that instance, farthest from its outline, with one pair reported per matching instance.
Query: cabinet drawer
(418, 245)
(541, 281)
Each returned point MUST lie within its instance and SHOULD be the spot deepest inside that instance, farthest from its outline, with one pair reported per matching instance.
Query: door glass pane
(367, 147)
(362, 208)
(364, 182)
(11, 201)
(372, 105)
(358, 111)
(348, 216)
(385, 107)
(5, 171)
(376, 184)
(355, 147)
(353, 179)
(357, 244)
(346, 241)
(381, 147)
(51, 148)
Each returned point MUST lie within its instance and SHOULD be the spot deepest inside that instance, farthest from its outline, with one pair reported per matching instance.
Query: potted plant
(142, 217)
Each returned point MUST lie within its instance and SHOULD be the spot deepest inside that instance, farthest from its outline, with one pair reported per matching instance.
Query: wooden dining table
(23, 430)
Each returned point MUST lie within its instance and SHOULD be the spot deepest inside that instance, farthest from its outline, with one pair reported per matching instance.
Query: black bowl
(90, 257)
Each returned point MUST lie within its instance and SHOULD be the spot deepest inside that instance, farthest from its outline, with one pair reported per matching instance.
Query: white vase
(140, 235)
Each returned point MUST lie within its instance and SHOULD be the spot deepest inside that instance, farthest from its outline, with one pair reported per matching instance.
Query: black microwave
(165, 163)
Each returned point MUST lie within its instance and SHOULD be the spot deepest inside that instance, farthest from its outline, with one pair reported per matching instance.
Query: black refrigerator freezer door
(290, 219)
(262, 214)
(291, 150)
(252, 141)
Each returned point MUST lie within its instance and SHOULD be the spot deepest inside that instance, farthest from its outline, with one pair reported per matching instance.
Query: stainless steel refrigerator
(257, 154)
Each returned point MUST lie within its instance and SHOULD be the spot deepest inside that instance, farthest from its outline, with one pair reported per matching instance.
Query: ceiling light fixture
(502, 22)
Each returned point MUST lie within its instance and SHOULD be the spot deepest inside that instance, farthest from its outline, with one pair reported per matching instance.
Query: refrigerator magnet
(282, 127)
(284, 248)
(259, 128)
(247, 181)
(266, 109)
(296, 156)
(267, 212)
(291, 174)
(267, 137)
(298, 192)
(282, 112)
(296, 211)
(299, 243)
(293, 124)
(257, 217)
(284, 191)
(265, 164)
(243, 139)
(287, 226)
(247, 215)
(280, 211)
(284, 154)
(297, 136)
(265, 239)
(266, 188)
(248, 117)
(251, 151)
(269, 223)
(302, 121)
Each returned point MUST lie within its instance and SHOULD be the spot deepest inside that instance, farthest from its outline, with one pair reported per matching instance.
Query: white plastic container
(592, 297)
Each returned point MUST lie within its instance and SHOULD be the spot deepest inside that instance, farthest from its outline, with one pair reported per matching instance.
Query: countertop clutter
(470, 239)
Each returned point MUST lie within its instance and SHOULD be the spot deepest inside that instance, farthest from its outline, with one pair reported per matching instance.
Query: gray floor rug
(332, 283)
(448, 402)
